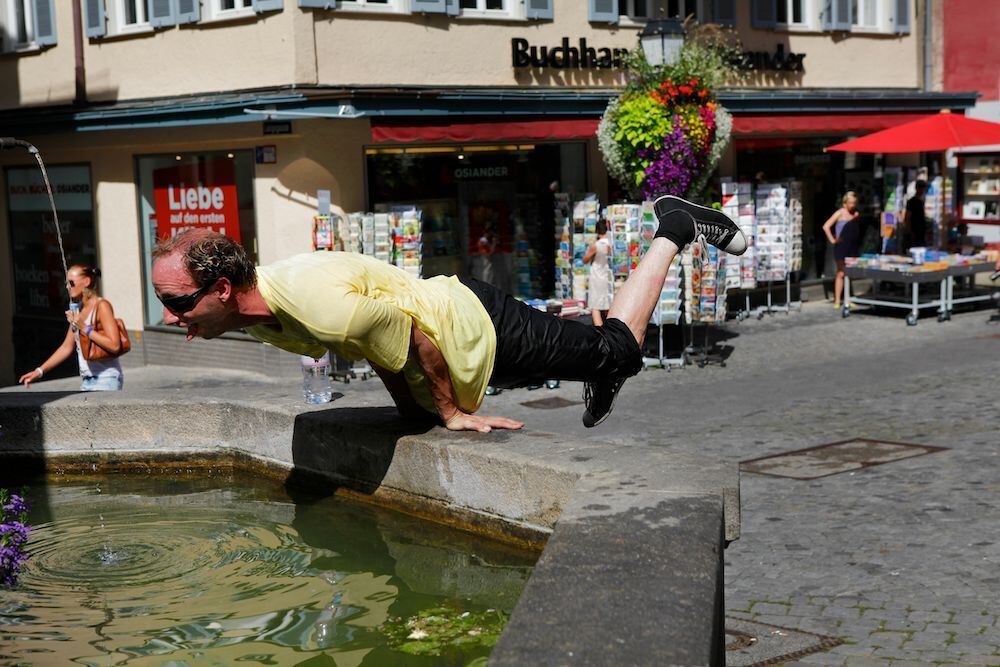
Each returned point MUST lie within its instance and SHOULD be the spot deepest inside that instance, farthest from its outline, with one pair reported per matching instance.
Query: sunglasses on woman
(183, 302)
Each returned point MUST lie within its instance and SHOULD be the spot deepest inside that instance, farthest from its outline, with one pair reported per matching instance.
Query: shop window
(39, 280)
(194, 190)
(27, 24)
(504, 193)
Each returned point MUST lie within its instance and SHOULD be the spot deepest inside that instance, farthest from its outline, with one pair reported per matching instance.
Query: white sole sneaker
(717, 228)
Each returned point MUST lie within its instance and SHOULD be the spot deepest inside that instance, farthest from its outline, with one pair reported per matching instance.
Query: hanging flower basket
(666, 133)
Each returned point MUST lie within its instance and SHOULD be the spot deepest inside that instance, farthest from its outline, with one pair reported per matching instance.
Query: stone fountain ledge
(632, 569)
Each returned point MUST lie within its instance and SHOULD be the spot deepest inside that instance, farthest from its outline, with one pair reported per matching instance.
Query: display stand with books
(584, 233)
(705, 294)
(778, 239)
(741, 272)
(563, 220)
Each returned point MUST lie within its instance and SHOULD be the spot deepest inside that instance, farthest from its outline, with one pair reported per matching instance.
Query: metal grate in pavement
(753, 644)
(835, 458)
(551, 403)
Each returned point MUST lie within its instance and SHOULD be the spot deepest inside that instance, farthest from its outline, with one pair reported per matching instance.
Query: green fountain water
(152, 571)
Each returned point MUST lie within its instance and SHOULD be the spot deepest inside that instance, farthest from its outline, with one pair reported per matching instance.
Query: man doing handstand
(438, 342)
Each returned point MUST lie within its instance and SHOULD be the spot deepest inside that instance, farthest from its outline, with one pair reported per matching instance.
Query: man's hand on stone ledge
(461, 421)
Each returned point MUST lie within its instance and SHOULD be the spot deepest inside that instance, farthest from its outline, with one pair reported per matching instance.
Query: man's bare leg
(635, 301)
(680, 222)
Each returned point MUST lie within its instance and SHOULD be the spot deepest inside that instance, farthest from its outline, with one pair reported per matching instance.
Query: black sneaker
(598, 399)
(711, 223)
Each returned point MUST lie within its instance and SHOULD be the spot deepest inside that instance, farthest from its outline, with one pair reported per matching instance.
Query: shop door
(484, 208)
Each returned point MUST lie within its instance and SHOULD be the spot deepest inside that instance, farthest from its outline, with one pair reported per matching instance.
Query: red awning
(785, 125)
(521, 130)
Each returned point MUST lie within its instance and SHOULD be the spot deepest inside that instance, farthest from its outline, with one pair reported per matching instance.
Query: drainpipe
(80, 75)
(928, 47)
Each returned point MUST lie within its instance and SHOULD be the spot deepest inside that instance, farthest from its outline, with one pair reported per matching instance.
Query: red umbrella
(933, 133)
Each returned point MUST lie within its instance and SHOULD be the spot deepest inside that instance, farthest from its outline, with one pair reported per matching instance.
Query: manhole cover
(834, 458)
(550, 403)
(751, 644)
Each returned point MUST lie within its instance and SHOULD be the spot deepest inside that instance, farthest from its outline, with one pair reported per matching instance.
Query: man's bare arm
(435, 369)
(398, 388)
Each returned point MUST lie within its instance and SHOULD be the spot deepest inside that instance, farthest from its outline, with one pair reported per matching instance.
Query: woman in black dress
(844, 234)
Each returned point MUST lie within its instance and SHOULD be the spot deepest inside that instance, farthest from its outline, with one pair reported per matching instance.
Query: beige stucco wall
(207, 57)
(41, 77)
(438, 51)
(294, 46)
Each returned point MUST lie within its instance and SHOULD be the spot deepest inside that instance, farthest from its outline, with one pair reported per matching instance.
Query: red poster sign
(197, 196)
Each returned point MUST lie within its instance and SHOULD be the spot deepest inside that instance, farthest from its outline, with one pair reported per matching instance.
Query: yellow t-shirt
(362, 308)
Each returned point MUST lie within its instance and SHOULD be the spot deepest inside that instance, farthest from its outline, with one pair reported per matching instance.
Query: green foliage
(641, 121)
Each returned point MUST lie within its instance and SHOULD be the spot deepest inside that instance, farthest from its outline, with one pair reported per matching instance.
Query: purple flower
(673, 167)
(13, 536)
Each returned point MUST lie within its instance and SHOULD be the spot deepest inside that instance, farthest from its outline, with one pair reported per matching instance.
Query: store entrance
(821, 175)
(487, 211)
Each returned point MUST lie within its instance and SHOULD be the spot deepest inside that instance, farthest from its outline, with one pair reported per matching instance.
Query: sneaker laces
(712, 232)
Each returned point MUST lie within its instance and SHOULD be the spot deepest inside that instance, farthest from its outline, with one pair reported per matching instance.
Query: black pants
(533, 346)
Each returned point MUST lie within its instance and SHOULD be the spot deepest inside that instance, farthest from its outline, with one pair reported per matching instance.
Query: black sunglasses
(184, 302)
(71, 283)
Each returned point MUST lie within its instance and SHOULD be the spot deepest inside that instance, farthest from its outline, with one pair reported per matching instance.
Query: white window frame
(116, 18)
(512, 9)
(626, 9)
(211, 10)
(627, 17)
(391, 7)
(10, 41)
(811, 20)
(881, 25)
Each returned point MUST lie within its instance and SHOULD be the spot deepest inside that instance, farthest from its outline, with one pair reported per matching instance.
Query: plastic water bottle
(75, 307)
(316, 379)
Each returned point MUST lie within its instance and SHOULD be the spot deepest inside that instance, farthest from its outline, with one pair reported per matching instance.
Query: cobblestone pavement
(902, 560)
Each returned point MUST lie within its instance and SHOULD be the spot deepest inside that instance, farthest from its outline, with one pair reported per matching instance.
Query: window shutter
(724, 12)
(539, 9)
(842, 19)
(901, 17)
(161, 13)
(267, 5)
(451, 7)
(429, 6)
(45, 22)
(603, 11)
(764, 13)
(319, 4)
(826, 16)
(94, 19)
(188, 11)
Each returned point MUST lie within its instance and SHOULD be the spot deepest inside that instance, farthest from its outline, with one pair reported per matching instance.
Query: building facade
(234, 114)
